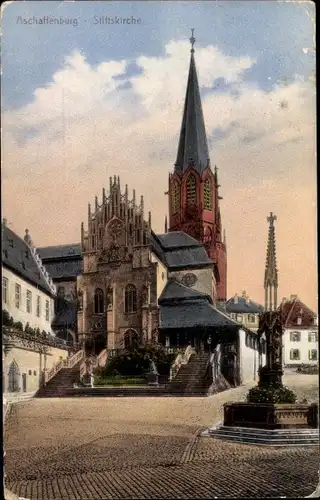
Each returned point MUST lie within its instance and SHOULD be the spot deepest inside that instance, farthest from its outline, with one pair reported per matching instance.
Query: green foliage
(7, 320)
(28, 329)
(308, 369)
(18, 325)
(136, 362)
(271, 394)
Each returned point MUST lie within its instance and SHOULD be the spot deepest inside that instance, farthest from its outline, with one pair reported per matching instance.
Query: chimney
(27, 238)
(293, 297)
(235, 299)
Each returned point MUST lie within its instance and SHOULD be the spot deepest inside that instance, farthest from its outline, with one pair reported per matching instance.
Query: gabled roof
(177, 291)
(64, 268)
(292, 310)
(20, 259)
(177, 239)
(184, 307)
(193, 139)
(177, 250)
(243, 305)
(72, 250)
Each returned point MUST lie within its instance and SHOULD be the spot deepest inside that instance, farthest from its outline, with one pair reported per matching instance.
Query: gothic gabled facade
(194, 188)
(117, 296)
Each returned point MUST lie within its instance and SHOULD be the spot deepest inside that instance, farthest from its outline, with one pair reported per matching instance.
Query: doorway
(24, 382)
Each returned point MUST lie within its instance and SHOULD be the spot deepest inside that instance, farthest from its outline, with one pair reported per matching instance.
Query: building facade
(194, 188)
(28, 292)
(300, 338)
(64, 264)
(244, 310)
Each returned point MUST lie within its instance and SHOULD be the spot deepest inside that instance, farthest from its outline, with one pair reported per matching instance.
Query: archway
(131, 339)
(14, 377)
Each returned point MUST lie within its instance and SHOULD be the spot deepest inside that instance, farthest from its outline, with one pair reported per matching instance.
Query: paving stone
(105, 448)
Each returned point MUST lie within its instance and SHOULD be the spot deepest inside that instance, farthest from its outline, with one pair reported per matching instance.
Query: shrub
(137, 361)
(271, 394)
(18, 325)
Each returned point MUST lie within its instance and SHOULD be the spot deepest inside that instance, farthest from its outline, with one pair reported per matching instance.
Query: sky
(87, 99)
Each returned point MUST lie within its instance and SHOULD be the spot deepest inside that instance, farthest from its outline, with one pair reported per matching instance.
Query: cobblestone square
(97, 448)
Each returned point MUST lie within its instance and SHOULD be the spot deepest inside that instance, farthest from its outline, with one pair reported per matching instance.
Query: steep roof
(66, 316)
(177, 291)
(293, 309)
(243, 305)
(193, 140)
(60, 251)
(177, 250)
(184, 307)
(20, 259)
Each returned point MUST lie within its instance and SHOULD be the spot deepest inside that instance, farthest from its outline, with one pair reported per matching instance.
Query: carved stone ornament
(114, 258)
(115, 228)
(189, 279)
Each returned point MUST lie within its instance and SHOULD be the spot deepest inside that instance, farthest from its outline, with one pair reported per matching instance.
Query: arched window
(175, 198)
(131, 339)
(130, 300)
(207, 194)
(207, 236)
(295, 354)
(14, 377)
(191, 190)
(98, 301)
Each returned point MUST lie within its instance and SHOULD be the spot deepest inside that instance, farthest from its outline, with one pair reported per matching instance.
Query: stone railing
(92, 362)
(34, 340)
(64, 363)
(181, 359)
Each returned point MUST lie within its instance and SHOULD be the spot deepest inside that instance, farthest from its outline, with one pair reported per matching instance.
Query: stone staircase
(266, 437)
(62, 377)
(191, 378)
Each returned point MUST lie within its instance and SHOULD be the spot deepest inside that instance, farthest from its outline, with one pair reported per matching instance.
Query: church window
(138, 236)
(98, 301)
(145, 238)
(191, 190)
(175, 198)
(130, 301)
(92, 241)
(207, 194)
(207, 236)
(130, 229)
(131, 339)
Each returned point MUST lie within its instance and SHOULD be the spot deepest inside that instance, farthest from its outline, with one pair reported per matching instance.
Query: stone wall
(28, 365)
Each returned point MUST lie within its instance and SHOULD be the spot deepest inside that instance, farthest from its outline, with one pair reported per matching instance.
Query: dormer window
(299, 320)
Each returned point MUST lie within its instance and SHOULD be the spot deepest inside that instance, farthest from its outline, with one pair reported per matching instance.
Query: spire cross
(192, 40)
(271, 218)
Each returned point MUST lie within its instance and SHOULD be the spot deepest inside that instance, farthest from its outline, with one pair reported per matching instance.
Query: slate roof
(177, 250)
(64, 269)
(242, 307)
(293, 309)
(62, 261)
(183, 307)
(60, 251)
(178, 292)
(18, 257)
(193, 139)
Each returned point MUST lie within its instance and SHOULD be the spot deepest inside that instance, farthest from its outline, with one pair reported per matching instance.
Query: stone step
(265, 432)
(269, 442)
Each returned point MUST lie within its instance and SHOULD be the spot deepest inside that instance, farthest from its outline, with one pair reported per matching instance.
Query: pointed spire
(193, 147)
(271, 272)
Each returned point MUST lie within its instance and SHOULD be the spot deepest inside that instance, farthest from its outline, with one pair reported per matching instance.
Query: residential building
(27, 289)
(244, 310)
(300, 338)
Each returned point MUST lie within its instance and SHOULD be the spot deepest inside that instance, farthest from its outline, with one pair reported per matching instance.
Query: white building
(244, 310)
(27, 290)
(300, 338)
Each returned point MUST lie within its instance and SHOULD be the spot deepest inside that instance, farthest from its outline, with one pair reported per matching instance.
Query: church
(129, 283)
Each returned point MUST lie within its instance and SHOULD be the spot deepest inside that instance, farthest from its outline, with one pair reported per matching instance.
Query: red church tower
(193, 187)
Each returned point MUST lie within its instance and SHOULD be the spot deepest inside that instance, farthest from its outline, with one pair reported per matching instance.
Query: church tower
(271, 271)
(193, 186)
